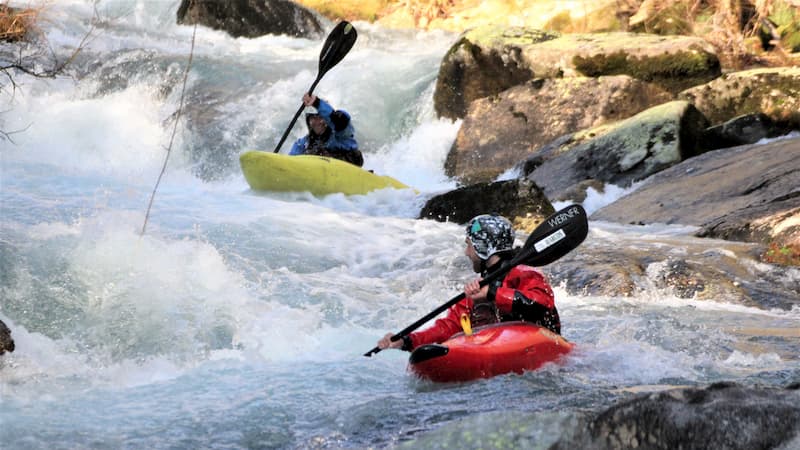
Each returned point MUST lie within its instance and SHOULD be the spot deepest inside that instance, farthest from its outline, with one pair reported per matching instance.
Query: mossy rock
(484, 61)
(774, 92)
(674, 63)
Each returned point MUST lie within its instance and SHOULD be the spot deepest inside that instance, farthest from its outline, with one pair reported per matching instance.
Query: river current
(239, 319)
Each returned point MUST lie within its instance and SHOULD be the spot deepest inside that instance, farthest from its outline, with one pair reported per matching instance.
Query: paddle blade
(555, 237)
(339, 42)
(337, 45)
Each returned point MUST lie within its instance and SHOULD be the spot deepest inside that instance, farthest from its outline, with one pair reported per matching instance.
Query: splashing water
(239, 319)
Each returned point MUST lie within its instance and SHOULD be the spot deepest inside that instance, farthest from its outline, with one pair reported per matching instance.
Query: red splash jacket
(524, 294)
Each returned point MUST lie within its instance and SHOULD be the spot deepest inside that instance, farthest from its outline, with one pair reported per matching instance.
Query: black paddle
(555, 237)
(338, 43)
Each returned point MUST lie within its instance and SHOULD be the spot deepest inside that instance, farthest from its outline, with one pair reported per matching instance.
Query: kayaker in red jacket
(524, 293)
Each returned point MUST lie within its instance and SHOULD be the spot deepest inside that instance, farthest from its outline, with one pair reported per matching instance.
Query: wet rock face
(6, 343)
(749, 194)
(722, 415)
(251, 18)
(518, 200)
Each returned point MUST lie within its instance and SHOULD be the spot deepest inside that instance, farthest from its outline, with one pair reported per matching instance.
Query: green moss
(561, 22)
(790, 36)
(673, 71)
(672, 20)
(489, 35)
(782, 14)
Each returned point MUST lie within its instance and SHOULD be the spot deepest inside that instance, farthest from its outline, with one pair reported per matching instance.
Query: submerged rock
(722, 415)
(741, 130)
(6, 343)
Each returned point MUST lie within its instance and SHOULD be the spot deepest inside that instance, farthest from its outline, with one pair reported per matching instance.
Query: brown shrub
(14, 23)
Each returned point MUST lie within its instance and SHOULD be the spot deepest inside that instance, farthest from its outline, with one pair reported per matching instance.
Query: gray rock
(620, 153)
(521, 201)
(484, 61)
(730, 193)
(489, 59)
(720, 416)
(6, 343)
(774, 92)
(746, 129)
(704, 270)
(251, 18)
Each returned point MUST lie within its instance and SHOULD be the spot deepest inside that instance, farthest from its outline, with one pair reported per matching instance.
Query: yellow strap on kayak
(466, 325)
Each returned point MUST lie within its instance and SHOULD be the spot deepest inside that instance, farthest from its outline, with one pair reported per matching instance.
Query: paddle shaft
(489, 278)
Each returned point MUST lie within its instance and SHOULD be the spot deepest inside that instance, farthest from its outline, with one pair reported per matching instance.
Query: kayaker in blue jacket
(330, 133)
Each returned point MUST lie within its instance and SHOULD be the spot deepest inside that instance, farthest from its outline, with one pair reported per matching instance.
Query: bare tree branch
(29, 66)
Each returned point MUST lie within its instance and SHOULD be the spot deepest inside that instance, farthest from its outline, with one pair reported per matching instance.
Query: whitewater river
(239, 319)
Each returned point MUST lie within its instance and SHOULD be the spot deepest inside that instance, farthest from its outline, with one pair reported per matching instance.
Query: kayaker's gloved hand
(387, 342)
(474, 290)
(484, 310)
(310, 100)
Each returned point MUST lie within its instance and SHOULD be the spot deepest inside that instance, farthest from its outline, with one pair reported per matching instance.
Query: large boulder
(722, 415)
(620, 153)
(774, 92)
(501, 130)
(672, 62)
(487, 60)
(251, 18)
(749, 193)
(521, 201)
(484, 61)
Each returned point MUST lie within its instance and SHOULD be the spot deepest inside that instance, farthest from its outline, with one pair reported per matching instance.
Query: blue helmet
(490, 234)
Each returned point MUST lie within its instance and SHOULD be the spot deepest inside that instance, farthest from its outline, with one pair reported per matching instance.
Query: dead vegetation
(745, 32)
(15, 24)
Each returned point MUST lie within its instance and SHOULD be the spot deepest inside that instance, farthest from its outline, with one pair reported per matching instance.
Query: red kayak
(490, 350)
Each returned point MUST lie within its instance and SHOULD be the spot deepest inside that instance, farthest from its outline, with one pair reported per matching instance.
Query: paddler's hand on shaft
(309, 99)
(474, 290)
(387, 342)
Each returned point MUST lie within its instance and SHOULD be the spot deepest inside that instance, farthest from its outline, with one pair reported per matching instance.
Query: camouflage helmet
(490, 234)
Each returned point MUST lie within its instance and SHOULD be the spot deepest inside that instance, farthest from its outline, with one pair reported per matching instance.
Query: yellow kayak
(265, 171)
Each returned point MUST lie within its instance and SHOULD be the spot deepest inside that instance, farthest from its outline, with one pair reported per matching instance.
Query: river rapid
(239, 319)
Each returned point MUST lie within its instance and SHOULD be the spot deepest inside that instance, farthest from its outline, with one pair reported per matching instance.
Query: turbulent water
(239, 319)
